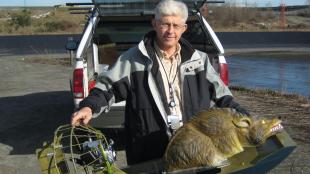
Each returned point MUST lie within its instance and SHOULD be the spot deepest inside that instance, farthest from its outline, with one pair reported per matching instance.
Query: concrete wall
(263, 39)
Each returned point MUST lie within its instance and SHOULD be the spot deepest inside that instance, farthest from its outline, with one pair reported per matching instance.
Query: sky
(260, 3)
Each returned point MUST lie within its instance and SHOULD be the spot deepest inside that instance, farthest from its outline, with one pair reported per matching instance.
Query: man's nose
(170, 28)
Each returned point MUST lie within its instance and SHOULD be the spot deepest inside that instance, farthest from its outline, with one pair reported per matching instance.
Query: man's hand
(81, 116)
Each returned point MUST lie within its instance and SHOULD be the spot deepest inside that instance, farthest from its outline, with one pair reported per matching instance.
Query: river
(287, 74)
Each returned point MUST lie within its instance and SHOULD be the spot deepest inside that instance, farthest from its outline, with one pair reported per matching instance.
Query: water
(289, 74)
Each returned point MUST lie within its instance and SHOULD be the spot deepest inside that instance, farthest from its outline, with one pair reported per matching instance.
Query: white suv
(110, 30)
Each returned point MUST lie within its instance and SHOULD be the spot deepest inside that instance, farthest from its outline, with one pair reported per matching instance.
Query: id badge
(174, 122)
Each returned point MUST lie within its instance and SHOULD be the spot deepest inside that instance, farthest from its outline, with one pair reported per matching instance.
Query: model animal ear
(242, 122)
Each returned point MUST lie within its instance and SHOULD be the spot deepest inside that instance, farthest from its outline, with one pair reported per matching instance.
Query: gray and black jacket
(136, 78)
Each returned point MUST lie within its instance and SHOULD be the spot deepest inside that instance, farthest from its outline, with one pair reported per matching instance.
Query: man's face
(169, 30)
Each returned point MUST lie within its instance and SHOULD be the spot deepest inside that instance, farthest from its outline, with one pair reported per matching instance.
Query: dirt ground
(35, 100)
(294, 112)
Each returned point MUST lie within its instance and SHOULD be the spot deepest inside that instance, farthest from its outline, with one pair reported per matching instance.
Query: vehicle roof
(133, 18)
(131, 7)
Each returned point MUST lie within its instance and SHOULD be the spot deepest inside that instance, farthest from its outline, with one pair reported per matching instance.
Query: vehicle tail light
(224, 70)
(78, 90)
(91, 85)
(224, 73)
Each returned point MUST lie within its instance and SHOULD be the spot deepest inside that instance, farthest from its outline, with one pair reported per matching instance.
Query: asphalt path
(51, 45)
(34, 100)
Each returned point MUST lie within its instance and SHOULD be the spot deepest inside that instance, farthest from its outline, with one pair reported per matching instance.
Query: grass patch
(227, 17)
(40, 21)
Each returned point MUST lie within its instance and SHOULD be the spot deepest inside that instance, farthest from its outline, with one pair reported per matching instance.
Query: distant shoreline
(285, 52)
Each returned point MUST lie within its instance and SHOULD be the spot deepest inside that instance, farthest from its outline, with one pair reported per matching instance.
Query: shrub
(21, 19)
(304, 13)
(54, 26)
(234, 16)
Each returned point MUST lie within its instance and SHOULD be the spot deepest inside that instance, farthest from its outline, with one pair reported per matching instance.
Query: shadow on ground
(29, 120)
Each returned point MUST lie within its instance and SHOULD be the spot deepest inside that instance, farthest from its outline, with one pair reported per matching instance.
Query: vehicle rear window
(128, 31)
(122, 32)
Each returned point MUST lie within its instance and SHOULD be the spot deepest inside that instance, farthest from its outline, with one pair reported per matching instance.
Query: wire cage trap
(77, 150)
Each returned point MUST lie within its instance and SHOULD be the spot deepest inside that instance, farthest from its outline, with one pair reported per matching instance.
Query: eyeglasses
(165, 26)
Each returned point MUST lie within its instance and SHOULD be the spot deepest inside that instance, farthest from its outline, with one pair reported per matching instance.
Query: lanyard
(171, 103)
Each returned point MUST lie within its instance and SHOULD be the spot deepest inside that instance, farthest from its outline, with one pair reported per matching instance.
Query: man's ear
(185, 27)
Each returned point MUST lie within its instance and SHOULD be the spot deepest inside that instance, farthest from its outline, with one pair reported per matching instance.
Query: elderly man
(164, 82)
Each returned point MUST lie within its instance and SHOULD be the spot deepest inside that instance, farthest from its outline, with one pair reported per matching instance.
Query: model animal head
(212, 136)
(255, 131)
(259, 130)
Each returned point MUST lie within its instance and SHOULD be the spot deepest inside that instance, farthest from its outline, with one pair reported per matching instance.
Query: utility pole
(282, 19)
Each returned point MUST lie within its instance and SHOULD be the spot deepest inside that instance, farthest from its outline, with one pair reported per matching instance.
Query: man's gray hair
(171, 8)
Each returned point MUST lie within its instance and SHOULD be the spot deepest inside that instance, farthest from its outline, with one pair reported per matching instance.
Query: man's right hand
(81, 117)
